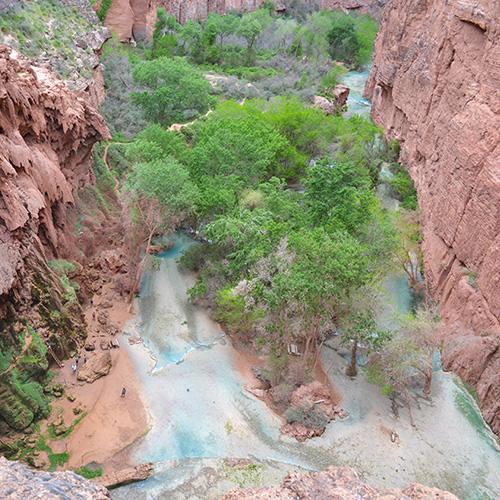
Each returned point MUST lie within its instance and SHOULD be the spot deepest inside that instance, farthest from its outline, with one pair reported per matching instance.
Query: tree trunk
(409, 407)
(428, 379)
(351, 369)
(140, 268)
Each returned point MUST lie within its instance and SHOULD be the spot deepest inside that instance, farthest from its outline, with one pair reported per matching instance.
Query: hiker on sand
(123, 392)
(74, 367)
(91, 302)
(84, 358)
(93, 316)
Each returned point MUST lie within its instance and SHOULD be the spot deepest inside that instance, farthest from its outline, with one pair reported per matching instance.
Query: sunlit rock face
(135, 19)
(19, 482)
(435, 87)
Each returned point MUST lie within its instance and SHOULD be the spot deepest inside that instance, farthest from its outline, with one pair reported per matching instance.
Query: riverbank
(111, 423)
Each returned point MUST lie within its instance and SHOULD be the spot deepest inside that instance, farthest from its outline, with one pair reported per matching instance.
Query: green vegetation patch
(49, 28)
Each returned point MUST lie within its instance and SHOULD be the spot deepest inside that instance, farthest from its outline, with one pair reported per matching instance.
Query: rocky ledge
(19, 482)
(336, 483)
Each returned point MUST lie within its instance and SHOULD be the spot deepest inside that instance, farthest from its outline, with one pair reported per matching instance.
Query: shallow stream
(199, 409)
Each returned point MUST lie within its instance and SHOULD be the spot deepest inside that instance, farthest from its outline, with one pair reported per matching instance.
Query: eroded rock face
(336, 483)
(135, 19)
(46, 137)
(434, 87)
(19, 482)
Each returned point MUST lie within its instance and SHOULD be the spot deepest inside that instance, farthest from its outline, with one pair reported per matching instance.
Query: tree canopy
(174, 91)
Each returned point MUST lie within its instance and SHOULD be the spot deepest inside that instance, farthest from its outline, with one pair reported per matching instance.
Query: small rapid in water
(199, 408)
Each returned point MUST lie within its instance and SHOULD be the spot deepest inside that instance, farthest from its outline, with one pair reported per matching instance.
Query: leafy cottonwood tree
(393, 368)
(343, 39)
(359, 327)
(175, 90)
(249, 29)
(339, 194)
(407, 253)
(160, 195)
(422, 329)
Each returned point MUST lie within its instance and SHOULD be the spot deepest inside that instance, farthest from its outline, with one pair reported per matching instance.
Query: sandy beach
(112, 423)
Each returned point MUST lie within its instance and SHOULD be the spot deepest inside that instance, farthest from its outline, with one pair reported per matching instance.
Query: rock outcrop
(47, 133)
(19, 482)
(336, 483)
(135, 19)
(434, 87)
(310, 410)
(126, 476)
(97, 366)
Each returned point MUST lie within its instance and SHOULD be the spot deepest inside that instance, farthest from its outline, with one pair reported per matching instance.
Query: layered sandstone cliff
(135, 19)
(47, 133)
(435, 86)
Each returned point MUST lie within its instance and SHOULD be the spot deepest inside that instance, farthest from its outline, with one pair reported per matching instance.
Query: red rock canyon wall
(435, 86)
(135, 19)
(47, 133)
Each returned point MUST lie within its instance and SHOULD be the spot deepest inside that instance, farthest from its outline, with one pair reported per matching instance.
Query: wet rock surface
(19, 482)
(434, 88)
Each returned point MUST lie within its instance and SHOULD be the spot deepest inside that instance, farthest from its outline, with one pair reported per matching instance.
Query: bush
(309, 417)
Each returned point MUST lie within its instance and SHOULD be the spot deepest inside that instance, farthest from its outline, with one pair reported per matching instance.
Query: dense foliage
(286, 197)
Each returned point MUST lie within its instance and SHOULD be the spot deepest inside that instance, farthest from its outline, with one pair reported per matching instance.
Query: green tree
(227, 25)
(343, 39)
(324, 270)
(422, 329)
(339, 194)
(160, 195)
(190, 34)
(407, 252)
(393, 368)
(249, 29)
(174, 91)
(237, 140)
(164, 40)
(360, 329)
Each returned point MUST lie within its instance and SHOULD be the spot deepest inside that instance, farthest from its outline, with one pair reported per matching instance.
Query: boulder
(125, 476)
(324, 105)
(300, 432)
(341, 94)
(19, 482)
(96, 367)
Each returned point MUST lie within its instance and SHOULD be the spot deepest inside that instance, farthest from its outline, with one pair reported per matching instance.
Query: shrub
(309, 417)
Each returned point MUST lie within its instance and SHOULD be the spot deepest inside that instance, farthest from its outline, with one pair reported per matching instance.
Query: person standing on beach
(123, 392)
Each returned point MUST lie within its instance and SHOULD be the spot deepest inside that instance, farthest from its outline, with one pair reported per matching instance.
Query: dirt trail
(105, 160)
